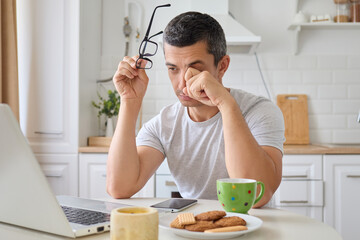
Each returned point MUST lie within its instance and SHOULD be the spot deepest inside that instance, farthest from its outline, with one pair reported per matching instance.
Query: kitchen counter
(288, 149)
(322, 149)
(93, 149)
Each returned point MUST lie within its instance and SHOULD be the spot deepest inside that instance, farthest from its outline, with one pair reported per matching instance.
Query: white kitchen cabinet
(165, 186)
(302, 167)
(92, 177)
(301, 188)
(61, 171)
(342, 184)
(300, 193)
(48, 49)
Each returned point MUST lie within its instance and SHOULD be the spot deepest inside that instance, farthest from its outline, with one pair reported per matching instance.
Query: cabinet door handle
(48, 133)
(104, 175)
(170, 183)
(353, 176)
(295, 176)
(287, 201)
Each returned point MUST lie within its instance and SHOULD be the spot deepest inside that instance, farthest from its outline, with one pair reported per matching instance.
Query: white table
(277, 224)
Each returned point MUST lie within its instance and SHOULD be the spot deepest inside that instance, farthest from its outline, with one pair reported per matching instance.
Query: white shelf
(297, 27)
(324, 25)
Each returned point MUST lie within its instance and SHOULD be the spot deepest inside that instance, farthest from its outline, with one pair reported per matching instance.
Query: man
(213, 132)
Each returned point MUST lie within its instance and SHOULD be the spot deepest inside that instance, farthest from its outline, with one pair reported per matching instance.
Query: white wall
(327, 67)
(90, 65)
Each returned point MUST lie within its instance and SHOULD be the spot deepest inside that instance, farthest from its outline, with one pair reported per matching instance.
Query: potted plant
(110, 108)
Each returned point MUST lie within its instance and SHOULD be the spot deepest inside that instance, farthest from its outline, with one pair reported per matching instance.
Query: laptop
(26, 198)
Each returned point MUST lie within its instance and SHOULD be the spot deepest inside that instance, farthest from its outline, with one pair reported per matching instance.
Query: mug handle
(262, 190)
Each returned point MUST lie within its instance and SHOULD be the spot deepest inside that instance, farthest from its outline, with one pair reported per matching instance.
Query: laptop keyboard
(85, 217)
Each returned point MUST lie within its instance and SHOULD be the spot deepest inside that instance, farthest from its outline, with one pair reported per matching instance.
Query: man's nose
(182, 82)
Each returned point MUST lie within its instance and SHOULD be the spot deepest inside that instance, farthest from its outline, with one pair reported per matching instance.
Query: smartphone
(175, 204)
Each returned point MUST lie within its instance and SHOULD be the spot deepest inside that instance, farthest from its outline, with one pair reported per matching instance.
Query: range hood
(238, 38)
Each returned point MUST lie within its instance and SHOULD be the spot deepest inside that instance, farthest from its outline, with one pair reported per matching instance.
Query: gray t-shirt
(195, 150)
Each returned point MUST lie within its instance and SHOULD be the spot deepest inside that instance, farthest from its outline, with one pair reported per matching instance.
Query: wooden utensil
(295, 110)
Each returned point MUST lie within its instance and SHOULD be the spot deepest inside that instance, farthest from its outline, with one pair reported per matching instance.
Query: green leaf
(110, 106)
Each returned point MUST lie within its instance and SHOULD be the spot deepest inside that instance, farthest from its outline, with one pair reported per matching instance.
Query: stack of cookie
(212, 221)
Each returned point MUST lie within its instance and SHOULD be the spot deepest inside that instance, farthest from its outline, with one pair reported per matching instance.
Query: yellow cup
(134, 223)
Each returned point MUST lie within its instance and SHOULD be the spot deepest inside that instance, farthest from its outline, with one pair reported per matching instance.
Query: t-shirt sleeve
(266, 123)
(149, 135)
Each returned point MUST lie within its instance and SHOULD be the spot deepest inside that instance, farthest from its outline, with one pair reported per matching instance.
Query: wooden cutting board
(295, 110)
(99, 141)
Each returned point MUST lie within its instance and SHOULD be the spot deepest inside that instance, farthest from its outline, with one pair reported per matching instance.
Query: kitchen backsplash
(327, 68)
(332, 84)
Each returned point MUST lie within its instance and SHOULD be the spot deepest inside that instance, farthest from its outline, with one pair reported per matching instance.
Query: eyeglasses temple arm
(152, 17)
(155, 35)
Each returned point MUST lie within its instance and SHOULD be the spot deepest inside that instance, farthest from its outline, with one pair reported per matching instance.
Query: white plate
(252, 223)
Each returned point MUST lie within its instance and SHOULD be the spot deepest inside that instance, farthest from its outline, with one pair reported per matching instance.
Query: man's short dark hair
(189, 28)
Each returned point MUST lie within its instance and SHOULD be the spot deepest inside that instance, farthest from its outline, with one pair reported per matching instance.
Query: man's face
(179, 59)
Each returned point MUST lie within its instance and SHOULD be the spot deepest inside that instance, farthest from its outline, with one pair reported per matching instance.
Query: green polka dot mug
(238, 194)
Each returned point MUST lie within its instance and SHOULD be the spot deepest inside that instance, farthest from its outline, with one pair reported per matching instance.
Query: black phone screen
(175, 203)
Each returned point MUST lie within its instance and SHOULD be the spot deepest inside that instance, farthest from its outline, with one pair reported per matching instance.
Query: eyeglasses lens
(144, 63)
(148, 48)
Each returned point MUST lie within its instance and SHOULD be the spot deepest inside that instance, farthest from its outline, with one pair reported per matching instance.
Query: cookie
(230, 221)
(201, 226)
(210, 216)
(176, 224)
(227, 229)
(186, 218)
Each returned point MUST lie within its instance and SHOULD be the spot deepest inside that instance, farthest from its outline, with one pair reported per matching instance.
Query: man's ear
(223, 65)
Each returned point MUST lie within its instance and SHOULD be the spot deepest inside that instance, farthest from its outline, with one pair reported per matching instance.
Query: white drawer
(302, 167)
(300, 193)
(93, 175)
(61, 171)
(165, 185)
(93, 178)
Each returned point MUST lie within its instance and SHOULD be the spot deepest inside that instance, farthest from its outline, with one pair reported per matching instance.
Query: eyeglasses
(147, 47)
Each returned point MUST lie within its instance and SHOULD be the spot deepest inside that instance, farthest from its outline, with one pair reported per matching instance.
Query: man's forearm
(123, 160)
(243, 156)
